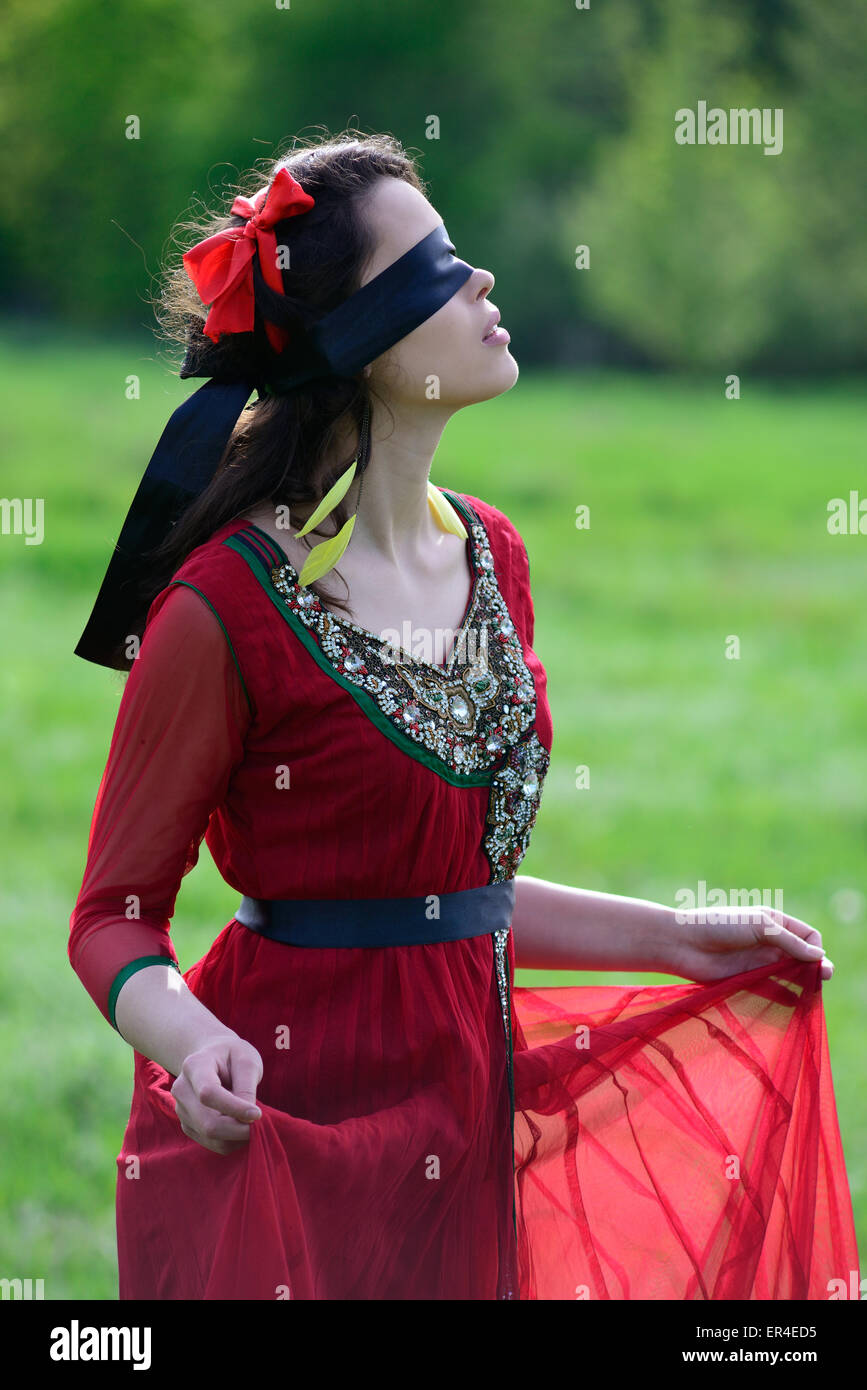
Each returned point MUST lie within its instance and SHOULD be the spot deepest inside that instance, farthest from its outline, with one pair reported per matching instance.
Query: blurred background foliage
(556, 129)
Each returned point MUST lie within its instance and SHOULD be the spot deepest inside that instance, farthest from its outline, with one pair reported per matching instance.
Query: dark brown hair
(279, 447)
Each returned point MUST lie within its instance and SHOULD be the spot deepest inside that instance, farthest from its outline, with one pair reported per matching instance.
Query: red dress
(428, 1130)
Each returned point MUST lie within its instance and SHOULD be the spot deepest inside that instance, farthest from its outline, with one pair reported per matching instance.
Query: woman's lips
(496, 337)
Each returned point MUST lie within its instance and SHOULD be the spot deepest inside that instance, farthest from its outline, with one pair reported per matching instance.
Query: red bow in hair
(221, 267)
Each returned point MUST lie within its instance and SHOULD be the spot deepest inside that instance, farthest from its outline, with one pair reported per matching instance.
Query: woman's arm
(556, 927)
(158, 1014)
(178, 736)
(217, 1072)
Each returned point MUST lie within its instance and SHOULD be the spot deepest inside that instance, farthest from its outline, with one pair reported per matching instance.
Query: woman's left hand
(735, 939)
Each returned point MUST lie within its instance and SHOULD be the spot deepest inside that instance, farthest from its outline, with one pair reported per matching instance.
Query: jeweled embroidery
(501, 966)
(500, 939)
(516, 792)
(467, 712)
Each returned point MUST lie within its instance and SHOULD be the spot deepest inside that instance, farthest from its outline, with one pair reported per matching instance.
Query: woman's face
(444, 359)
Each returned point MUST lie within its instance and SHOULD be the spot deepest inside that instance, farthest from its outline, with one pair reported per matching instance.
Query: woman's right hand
(215, 1093)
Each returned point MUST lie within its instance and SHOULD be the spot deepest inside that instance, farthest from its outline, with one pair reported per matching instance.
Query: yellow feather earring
(326, 554)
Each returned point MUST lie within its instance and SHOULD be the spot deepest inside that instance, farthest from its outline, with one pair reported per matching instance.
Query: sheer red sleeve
(180, 731)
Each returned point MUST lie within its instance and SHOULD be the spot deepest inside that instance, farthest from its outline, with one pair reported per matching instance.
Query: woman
(346, 1097)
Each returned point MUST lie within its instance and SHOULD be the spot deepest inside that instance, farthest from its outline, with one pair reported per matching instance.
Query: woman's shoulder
(214, 555)
(511, 562)
(493, 516)
(222, 571)
(214, 599)
(505, 539)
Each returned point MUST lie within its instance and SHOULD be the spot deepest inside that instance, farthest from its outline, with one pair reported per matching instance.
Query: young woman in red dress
(347, 1097)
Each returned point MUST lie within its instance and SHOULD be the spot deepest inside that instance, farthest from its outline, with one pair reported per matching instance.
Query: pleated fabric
(671, 1142)
(681, 1141)
(381, 1167)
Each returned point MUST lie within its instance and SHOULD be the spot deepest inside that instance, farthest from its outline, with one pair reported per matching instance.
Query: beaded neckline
(464, 715)
(289, 576)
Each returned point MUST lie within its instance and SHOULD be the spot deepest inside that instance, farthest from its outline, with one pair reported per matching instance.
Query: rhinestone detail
(516, 791)
(467, 712)
(500, 939)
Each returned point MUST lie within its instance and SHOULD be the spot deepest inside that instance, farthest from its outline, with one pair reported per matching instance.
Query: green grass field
(708, 519)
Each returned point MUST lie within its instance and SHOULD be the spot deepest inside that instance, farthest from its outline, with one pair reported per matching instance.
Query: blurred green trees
(556, 129)
(722, 255)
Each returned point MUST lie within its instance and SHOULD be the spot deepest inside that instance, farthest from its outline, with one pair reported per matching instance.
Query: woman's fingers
(798, 939)
(794, 946)
(201, 1071)
(201, 1120)
(792, 924)
(245, 1068)
(793, 943)
(210, 1112)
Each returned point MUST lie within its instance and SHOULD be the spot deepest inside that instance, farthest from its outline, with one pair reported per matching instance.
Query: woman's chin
(506, 375)
(473, 388)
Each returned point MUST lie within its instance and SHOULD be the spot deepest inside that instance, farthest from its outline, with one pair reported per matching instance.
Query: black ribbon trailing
(183, 463)
(340, 344)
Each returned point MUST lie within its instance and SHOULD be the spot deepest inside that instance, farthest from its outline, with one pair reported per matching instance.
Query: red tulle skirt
(669, 1142)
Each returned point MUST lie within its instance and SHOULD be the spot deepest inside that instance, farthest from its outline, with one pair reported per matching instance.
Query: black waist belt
(381, 921)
